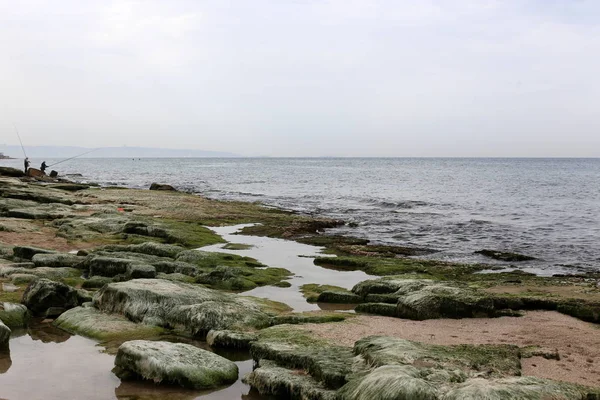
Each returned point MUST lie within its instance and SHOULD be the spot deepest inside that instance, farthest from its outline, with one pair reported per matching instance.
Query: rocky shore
(126, 268)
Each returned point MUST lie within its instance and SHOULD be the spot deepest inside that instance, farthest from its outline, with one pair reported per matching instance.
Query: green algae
(311, 291)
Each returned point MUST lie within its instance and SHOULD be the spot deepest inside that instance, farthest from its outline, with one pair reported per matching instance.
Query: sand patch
(577, 342)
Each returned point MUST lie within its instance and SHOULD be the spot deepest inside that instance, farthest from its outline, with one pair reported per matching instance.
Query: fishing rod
(20, 141)
(83, 154)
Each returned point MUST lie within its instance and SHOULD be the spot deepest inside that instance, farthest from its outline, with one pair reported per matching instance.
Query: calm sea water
(546, 208)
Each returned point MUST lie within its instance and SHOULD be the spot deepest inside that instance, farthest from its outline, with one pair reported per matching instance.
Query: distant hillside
(107, 152)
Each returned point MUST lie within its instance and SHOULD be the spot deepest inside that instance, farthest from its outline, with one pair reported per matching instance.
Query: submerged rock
(158, 186)
(48, 298)
(504, 256)
(4, 336)
(174, 363)
(14, 315)
(57, 260)
(12, 172)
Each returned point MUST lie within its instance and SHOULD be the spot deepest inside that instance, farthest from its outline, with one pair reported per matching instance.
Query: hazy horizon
(305, 78)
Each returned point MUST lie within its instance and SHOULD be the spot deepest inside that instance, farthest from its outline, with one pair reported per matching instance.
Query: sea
(547, 208)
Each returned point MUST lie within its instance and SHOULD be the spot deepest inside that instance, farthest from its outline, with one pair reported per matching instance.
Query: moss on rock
(174, 363)
(58, 260)
(14, 315)
(231, 339)
(27, 252)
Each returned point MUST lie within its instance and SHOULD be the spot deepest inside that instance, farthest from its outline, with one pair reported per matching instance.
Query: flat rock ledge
(174, 363)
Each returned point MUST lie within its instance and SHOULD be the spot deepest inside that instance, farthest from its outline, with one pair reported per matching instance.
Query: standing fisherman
(26, 163)
(43, 167)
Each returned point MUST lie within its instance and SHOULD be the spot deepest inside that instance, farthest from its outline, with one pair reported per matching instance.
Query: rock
(526, 388)
(4, 336)
(95, 282)
(175, 277)
(34, 172)
(176, 267)
(174, 363)
(48, 298)
(27, 252)
(13, 172)
(9, 287)
(41, 272)
(135, 271)
(84, 296)
(152, 248)
(231, 339)
(174, 304)
(158, 186)
(339, 297)
(390, 382)
(71, 187)
(421, 299)
(108, 266)
(19, 279)
(89, 322)
(504, 256)
(293, 348)
(271, 380)
(141, 228)
(14, 315)
(57, 260)
(34, 213)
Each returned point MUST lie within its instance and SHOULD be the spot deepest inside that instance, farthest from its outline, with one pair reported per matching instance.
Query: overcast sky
(305, 77)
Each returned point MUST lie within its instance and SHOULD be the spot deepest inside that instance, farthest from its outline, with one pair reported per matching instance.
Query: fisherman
(44, 166)
(26, 163)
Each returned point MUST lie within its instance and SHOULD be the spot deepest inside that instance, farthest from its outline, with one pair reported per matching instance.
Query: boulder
(159, 186)
(174, 363)
(12, 172)
(4, 336)
(136, 271)
(57, 260)
(48, 298)
(14, 315)
(95, 282)
(19, 279)
(27, 252)
(41, 272)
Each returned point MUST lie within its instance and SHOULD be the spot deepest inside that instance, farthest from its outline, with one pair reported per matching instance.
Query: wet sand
(577, 342)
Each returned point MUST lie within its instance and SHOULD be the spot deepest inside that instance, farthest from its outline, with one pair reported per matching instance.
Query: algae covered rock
(174, 363)
(390, 382)
(504, 255)
(27, 252)
(89, 322)
(273, 380)
(14, 315)
(48, 298)
(421, 299)
(230, 339)
(57, 260)
(518, 388)
(175, 304)
(4, 336)
(151, 248)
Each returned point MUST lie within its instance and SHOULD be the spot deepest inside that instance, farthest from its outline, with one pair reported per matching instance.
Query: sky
(423, 78)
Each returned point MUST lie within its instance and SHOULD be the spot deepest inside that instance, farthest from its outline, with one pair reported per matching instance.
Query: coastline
(109, 223)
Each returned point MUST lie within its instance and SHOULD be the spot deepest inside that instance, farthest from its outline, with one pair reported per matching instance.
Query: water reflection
(47, 363)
